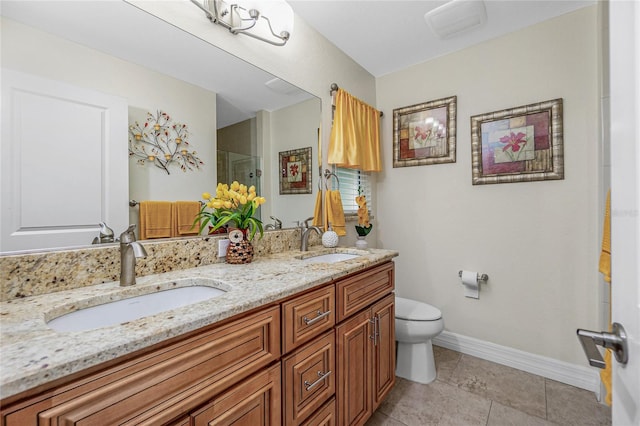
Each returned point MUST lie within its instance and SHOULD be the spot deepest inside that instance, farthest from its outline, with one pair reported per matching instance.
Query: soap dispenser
(330, 238)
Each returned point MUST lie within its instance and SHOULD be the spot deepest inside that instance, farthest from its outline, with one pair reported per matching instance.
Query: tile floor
(472, 391)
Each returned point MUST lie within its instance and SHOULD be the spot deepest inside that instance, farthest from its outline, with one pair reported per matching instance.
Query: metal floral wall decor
(161, 141)
(521, 144)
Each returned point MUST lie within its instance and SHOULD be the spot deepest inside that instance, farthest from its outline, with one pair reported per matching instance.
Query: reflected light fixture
(268, 20)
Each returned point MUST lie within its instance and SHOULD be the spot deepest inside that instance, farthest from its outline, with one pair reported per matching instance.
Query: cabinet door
(384, 349)
(325, 416)
(353, 390)
(308, 378)
(253, 402)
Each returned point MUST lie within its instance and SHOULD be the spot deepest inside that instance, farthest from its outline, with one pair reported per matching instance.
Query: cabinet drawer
(359, 291)
(253, 402)
(157, 387)
(307, 316)
(325, 416)
(309, 378)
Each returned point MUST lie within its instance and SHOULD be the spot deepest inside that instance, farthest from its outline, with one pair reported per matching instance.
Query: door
(64, 166)
(384, 350)
(624, 32)
(353, 361)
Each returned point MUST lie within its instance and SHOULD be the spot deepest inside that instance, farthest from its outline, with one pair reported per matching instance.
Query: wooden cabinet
(306, 317)
(254, 402)
(309, 378)
(160, 386)
(322, 358)
(325, 416)
(365, 345)
(359, 291)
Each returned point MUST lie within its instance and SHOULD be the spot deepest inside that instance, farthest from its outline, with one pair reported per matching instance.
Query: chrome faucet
(106, 235)
(305, 230)
(130, 249)
(276, 225)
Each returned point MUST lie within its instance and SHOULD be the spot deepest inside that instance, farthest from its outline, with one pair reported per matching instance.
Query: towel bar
(327, 177)
(133, 203)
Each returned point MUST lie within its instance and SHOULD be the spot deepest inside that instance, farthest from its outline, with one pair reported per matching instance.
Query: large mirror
(239, 117)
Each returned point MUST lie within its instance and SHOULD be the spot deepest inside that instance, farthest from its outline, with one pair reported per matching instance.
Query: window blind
(353, 182)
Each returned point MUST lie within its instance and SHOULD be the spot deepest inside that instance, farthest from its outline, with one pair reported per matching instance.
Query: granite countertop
(33, 354)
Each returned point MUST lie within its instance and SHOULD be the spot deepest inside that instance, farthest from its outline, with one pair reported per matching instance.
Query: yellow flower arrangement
(363, 227)
(231, 203)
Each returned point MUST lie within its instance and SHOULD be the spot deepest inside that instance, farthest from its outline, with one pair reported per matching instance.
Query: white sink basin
(330, 258)
(133, 308)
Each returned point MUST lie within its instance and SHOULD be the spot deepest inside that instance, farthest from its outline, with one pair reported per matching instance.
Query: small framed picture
(425, 133)
(521, 144)
(295, 171)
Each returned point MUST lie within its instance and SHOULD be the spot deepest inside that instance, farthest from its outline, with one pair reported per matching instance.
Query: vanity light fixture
(268, 20)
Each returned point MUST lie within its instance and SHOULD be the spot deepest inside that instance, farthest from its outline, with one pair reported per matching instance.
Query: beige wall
(239, 137)
(308, 60)
(537, 241)
(292, 128)
(35, 52)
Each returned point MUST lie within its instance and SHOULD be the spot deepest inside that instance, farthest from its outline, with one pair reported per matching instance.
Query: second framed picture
(521, 144)
(425, 133)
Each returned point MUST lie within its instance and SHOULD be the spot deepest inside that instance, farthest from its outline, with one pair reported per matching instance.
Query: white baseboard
(575, 375)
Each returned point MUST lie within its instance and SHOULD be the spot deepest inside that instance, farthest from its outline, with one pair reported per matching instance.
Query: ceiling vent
(282, 87)
(456, 17)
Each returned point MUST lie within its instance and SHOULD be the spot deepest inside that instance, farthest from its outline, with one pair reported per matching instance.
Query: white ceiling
(385, 36)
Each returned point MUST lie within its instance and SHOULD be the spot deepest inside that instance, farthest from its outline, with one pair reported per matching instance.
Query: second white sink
(133, 308)
(330, 258)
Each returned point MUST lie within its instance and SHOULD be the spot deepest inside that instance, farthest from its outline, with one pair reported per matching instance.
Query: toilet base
(415, 362)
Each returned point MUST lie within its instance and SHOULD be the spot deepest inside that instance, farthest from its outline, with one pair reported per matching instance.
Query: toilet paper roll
(470, 283)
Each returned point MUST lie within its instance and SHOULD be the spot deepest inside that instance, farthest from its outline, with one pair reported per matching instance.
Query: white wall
(36, 52)
(537, 241)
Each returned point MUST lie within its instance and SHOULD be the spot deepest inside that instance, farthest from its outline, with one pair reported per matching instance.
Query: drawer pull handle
(316, 319)
(322, 376)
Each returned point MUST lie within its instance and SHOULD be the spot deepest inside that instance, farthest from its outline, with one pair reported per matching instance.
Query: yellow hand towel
(605, 269)
(156, 219)
(184, 214)
(605, 253)
(335, 212)
(317, 212)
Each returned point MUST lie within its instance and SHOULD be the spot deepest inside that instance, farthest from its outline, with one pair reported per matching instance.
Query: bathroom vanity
(290, 342)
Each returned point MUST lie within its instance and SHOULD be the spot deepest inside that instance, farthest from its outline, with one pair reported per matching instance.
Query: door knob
(616, 341)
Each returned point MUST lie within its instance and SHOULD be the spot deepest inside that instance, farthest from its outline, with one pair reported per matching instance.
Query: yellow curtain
(355, 135)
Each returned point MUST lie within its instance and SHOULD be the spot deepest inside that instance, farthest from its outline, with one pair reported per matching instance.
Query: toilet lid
(413, 310)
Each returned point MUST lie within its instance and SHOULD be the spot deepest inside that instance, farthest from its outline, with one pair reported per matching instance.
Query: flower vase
(240, 249)
(361, 243)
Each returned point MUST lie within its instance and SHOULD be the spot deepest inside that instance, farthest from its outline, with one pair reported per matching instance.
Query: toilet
(416, 324)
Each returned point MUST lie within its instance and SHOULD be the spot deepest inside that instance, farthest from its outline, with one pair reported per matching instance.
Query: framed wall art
(521, 144)
(425, 133)
(295, 171)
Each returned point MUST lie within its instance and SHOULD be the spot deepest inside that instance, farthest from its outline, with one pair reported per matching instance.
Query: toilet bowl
(416, 324)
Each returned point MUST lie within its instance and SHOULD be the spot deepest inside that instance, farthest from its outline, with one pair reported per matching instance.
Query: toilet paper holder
(481, 277)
